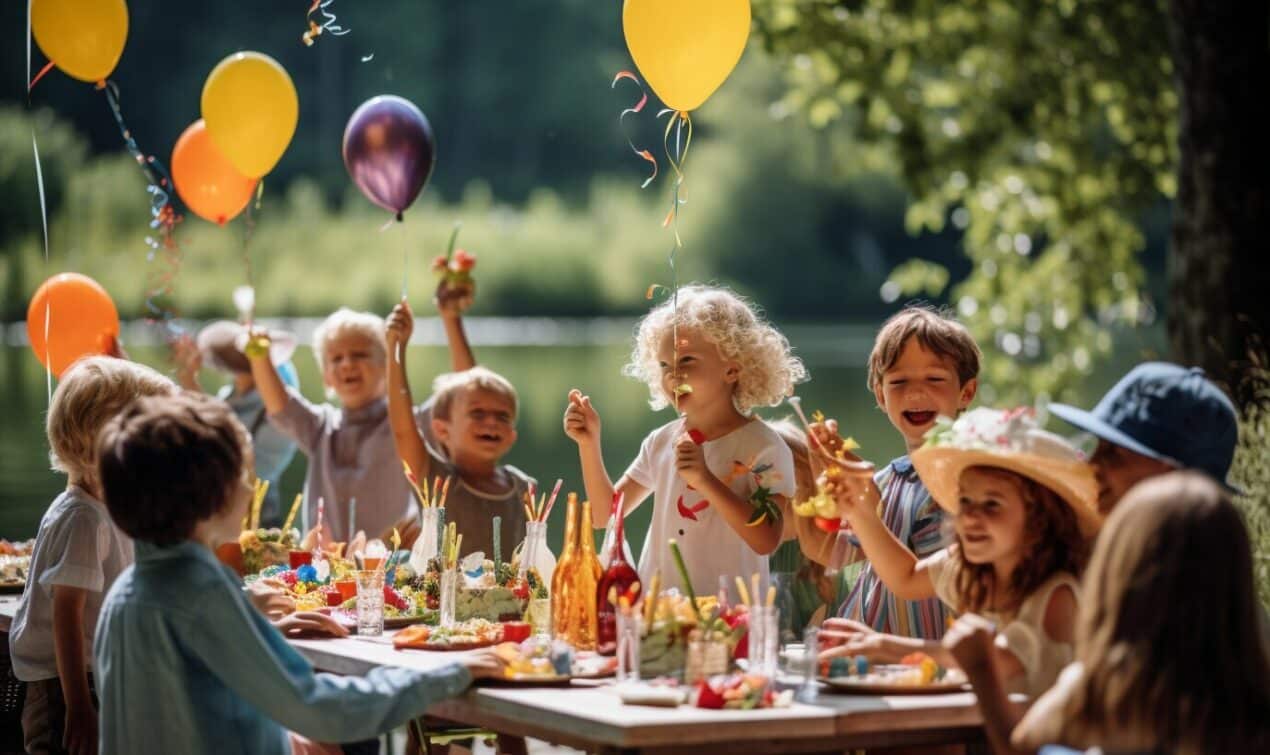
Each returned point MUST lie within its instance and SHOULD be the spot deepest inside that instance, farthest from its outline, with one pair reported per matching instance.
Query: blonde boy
(924, 365)
(78, 554)
(349, 446)
(462, 432)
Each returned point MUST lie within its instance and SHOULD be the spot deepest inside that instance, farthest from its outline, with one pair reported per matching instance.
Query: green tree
(1044, 129)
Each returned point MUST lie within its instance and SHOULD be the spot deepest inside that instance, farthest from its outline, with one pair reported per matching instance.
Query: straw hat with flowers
(1010, 440)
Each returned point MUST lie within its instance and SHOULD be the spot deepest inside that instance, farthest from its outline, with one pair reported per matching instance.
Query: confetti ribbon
(163, 219)
(636, 108)
(328, 24)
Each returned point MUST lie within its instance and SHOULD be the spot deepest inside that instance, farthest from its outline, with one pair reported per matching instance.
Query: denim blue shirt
(185, 664)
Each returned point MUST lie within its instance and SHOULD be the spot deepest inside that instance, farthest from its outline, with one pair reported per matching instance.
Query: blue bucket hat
(1166, 412)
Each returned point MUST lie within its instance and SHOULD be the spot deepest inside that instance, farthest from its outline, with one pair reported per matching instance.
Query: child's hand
(408, 529)
(269, 596)
(452, 300)
(853, 489)
(80, 737)
(188, 359)
(844, 637)
(690, 462)
(400, 326)
(310, 622)
(581, 420)
(971, 640)
(483, 664)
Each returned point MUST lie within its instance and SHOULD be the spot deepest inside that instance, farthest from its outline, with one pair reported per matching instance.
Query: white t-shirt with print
(711, 548)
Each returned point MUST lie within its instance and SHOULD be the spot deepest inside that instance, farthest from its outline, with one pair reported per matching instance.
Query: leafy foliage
(1041, 128)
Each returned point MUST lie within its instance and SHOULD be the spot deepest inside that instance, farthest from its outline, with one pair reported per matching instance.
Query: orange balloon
(79, 317)
(207, 181)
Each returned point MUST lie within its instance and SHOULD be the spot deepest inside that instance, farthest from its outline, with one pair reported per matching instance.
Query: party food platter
(466, 635)
(15, 561)
(917, 674)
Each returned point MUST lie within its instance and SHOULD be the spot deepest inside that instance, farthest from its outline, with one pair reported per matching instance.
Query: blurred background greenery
(1011, 160)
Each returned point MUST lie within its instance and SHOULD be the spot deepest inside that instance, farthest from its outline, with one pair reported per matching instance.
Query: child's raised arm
(582, 425)
(268, 382)
(452, 302)
(858, 498)
(405, 433)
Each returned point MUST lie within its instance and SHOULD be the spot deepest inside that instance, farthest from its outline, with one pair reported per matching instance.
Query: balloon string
(678, 120)
(621, 122)
(44, 216)
(163, 219)
(249, 230)
(328, 24)
(405, 263)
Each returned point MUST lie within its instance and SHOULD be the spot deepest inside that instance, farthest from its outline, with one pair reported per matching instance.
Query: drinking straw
(683, 575)
(295, 508)
(445, 491)
(650, 599)
(742, 591)
(498, 541)
(352, 517)
(754, 588)
(771, 595)
(546, 512)
(321, 509)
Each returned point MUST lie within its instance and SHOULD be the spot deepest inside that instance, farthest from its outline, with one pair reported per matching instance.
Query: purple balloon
(389, 151)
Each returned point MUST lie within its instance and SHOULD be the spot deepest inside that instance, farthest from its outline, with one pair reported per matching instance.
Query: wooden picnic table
(592, 718)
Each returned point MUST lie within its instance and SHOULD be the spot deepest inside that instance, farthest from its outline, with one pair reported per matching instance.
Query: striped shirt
(910, 513)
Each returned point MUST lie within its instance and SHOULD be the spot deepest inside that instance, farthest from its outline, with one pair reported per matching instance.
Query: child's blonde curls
(769, 370)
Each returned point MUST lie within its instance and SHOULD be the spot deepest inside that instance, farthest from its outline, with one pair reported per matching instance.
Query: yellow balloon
(686, 48)
(250, 108)
(83, 37)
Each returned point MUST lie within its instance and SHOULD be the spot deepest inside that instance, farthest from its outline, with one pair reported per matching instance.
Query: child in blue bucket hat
(1158, 418)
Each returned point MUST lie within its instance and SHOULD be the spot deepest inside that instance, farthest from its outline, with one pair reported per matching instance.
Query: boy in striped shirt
(923, 365)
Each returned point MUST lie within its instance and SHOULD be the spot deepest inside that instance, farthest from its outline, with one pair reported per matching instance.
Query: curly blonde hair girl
(769, 370)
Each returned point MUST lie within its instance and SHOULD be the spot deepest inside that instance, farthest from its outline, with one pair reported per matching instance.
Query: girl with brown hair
(1022, 502)
(1168, 653)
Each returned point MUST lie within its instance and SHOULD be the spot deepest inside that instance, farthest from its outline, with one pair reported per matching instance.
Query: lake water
(532, 354)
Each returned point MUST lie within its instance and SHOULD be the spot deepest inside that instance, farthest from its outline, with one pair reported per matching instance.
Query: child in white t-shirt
(78, 554)
(718, 474)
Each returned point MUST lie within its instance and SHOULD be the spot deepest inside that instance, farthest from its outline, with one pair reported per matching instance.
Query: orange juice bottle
(562, 578)
(585, 583)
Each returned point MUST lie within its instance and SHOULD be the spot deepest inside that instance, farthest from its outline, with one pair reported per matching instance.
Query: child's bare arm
(72, 669)
(970, 641)
(582, 425)
(268, 382)
(858, 499)
(451, 303)
(405, 433)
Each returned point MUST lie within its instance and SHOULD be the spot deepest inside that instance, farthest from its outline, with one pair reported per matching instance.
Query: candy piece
(562, 658)
(306, 573)
(839, 667)
(861, 665)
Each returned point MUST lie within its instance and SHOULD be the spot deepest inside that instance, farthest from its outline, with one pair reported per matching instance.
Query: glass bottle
(585, 584)
(618, 574)
(562, 578)
(534, 552)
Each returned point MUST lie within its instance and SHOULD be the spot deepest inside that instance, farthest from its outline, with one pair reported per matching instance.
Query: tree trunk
(1219, 269)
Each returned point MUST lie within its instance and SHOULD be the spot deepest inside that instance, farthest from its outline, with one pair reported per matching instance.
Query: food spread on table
(15, 561)
(916, 672)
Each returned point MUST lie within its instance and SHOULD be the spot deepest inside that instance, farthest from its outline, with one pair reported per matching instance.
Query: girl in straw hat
(1168, 656)
(1023, 506)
